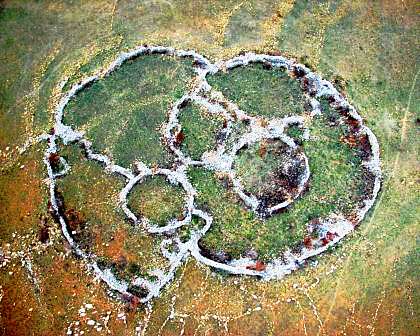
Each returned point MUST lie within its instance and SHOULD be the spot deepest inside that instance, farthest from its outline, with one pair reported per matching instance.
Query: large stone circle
(221, 159)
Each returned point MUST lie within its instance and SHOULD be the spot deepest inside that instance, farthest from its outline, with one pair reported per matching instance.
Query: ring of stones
(173, 178)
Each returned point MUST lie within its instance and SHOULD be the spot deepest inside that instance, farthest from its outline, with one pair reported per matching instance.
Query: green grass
(295, 132)
(200, 130)
(260, 92)
(122, 113)
(98, 61)
(234, 227)
(335, 186)
(157, 199)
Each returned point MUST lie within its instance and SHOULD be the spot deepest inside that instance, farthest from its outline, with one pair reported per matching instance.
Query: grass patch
(200, 130)
(260, 92)
(234, 228)
(157, 199)
(122, 114)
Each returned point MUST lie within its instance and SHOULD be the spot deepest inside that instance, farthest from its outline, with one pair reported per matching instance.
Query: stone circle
(221, 160)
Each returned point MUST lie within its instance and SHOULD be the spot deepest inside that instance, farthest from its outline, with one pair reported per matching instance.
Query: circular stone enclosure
(334, 142)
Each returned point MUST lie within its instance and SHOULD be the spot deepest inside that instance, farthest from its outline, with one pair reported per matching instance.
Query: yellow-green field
(366, 285)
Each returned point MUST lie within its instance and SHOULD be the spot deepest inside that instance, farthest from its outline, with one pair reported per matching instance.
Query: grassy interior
(260, 92)
(200, 130)
(158, 200)
(335, 187)
(122, 114)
